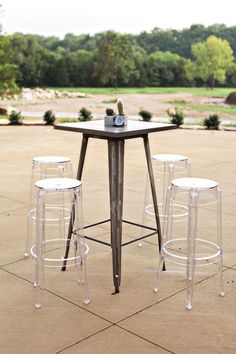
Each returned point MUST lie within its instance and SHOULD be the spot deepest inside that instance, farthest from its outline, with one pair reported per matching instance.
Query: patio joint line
(148, 307)
(167, 298)
(61, 297)
(147, 340)
(230, 267)
(14, 200)
(123, 329)
(8, 212)
(84, 339)
(13, 262)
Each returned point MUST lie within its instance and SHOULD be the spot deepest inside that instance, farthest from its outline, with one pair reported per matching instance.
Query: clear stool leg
(145, 210)
(188, 168)
(219, 241)
(167, 219)
(192, 234)
(29, 215)
(30, 222)
(40, 229)
(79, 243)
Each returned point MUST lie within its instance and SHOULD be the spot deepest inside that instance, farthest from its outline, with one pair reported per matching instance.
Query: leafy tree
(166, 69)
(30, 57)
(8, 70)
(0, 23)
(157, 39)
(231, 76)
(51, 43)
(116, 60)
(59, 71)
(80, 67)
(213, 58)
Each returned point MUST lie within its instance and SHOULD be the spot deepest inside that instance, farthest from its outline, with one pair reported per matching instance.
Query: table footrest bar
(139, 225)
(96, 240)
(97, 223)
(138, 239)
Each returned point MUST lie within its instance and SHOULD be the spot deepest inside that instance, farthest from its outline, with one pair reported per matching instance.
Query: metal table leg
(79, 175)
(153, 189)
(83, 150)
(116, 184)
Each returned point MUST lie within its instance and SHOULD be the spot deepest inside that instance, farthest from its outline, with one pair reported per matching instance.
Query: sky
(58, 17)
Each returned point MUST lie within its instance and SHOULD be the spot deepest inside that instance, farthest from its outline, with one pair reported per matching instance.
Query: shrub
(85, 114)
(146, 115)
(212, 122)
(176, 116)
(15, 118)
(231, 98)
(49, 117)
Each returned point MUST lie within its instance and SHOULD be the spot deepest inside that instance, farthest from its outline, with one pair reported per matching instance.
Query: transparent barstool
(199, 240)
(43, 167)
(166, 167)
(59, 224)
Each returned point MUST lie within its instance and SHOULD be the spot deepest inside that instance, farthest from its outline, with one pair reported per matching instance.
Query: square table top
(97, 128)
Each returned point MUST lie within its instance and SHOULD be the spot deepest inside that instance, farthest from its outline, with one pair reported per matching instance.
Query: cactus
(120, 107)
(110, 112)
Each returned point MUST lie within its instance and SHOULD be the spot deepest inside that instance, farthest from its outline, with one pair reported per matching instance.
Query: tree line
(195, 56)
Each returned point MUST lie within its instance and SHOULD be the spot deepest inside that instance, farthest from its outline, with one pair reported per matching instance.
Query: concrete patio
(137, 320)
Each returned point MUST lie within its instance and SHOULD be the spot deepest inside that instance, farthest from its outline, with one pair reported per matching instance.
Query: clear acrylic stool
(59, 223)
(166, 167)
(192, 249)
(43, 167)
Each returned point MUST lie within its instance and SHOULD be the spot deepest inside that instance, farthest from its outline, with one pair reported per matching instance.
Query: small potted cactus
(116, 120)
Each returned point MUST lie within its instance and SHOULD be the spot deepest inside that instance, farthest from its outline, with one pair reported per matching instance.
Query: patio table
(116, 137)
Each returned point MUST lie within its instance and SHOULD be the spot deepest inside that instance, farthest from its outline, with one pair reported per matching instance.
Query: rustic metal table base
(116, 143)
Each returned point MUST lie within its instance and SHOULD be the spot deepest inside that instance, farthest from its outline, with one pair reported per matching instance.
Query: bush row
(176, 117)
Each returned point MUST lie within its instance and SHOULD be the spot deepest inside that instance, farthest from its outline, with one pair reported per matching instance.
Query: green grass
(204, 108)
(211, 108)
(217, 92)
(113, 100)
(178, 102)
(68, 120)
(230, 125)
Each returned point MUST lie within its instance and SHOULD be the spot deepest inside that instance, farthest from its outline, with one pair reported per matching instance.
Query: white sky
(58, 17)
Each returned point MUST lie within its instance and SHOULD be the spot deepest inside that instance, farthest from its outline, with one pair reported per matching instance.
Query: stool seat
(51, 159)
(57, 184)
(194, 183)
(169, 157)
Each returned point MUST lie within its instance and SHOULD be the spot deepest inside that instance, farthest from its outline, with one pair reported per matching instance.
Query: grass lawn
(217, 92)
(2, 116)
(204, 108)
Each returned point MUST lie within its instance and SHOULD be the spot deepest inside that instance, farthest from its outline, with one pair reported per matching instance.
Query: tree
(80, 68)
(213, 58)
(116, 60)
(8, 70)
(166, 69)
(0, 23)
(31, 59)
